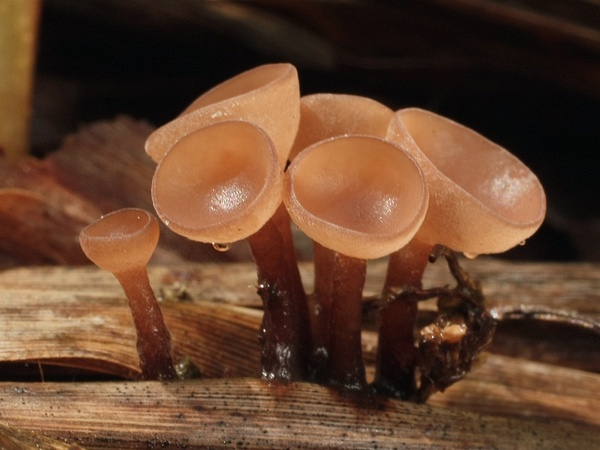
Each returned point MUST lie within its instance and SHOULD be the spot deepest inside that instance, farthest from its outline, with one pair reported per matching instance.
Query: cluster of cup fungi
(251, 158)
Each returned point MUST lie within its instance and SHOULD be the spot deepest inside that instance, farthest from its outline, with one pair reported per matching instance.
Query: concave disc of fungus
(121, 240)
(357, 195)
(483, 198)
(268, 96)
(218, 184)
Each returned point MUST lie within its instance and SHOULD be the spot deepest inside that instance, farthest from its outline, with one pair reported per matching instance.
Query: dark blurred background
(524, 73)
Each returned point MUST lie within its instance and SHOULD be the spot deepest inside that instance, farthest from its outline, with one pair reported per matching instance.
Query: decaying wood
(112, 154)
(77, 318)
(39, 218)
(13, 438)
(249, 413)
(49, 234)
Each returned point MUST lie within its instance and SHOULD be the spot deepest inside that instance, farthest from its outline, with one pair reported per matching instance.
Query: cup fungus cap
(219, 184)
(122, 240)
(325, 115)
(482, 198)
(360, 196)
(268, 96)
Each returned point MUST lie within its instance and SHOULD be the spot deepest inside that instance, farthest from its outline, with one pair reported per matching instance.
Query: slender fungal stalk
(153, 337)
(406, 266)
(396, 351)
(285, 341)
(322, 298)
(338, 291)
(282, 221)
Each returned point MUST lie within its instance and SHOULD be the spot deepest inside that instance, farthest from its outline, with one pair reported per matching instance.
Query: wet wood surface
(69, 365)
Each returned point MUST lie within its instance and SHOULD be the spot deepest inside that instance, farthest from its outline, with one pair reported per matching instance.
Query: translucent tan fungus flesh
(324, 116)
(337, 214)
(122, 243)
(121, 240)
(268, 96)
(220, 183)
(482, 198)
(357, 195)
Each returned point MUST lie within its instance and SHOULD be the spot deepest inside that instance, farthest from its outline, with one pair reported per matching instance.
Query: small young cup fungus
(482, 200)
(122, 243)
(221, 184)
(357, 197)
(267, 95)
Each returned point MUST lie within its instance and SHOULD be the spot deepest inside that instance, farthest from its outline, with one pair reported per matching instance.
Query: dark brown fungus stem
(235, 194)
(396, 352)
(122, 243)
(284, 345)
(339, 282)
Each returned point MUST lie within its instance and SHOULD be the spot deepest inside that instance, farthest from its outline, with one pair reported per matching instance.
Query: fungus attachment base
(449, 345)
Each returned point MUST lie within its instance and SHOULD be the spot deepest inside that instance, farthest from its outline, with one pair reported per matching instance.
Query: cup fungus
(221, 184)
(267, 95)
(357, 197)
(482, 200)
(122, 243)
(326, 115)
(360, 184)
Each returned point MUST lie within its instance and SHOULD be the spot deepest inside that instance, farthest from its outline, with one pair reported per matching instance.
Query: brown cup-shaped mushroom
(267, 95)
(122, 243)
(218, 184)
(221, 184)
(357, 197)
(325, 115)
(482, 200)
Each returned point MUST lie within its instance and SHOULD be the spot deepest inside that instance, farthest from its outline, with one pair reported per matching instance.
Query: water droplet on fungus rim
(221, 247)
